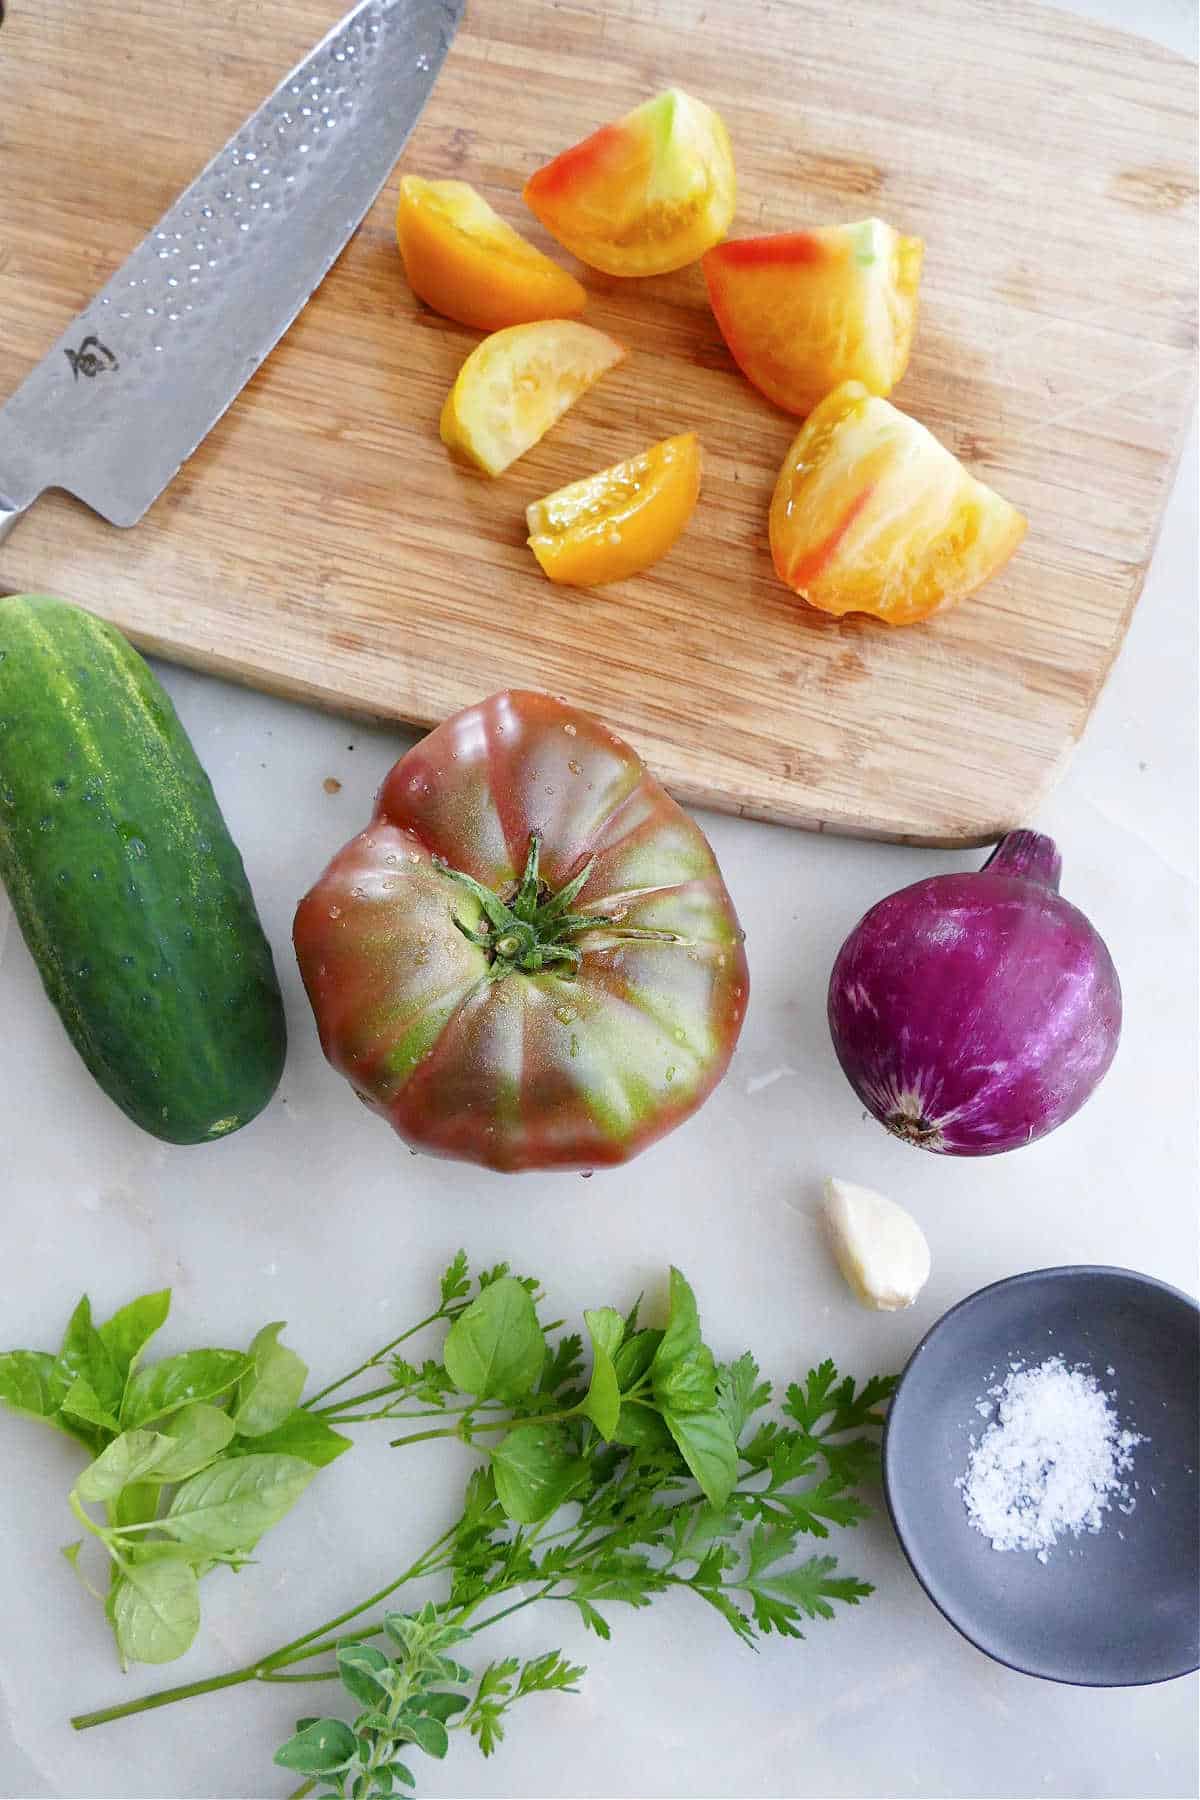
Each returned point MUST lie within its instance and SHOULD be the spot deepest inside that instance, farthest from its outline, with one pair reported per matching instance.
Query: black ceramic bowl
(1105, 1609)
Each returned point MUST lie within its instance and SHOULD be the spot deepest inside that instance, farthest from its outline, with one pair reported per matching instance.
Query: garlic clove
(880, 1248)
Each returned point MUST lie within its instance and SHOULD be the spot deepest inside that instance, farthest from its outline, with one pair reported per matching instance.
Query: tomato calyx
(533, 929)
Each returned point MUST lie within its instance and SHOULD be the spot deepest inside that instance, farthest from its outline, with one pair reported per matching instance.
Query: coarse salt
(1052, 1461)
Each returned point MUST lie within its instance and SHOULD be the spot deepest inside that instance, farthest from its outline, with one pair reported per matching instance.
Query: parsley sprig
(604, 1481)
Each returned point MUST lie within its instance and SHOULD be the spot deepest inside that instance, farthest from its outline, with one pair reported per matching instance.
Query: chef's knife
(150, 365)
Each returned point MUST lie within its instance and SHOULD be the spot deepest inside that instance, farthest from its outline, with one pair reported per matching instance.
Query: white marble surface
(317, 1215)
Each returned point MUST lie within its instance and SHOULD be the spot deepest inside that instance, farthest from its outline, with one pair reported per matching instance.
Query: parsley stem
(317, 1675)
(443, 1312)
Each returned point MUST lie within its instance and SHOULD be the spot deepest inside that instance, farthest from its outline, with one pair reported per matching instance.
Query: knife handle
(9, 514)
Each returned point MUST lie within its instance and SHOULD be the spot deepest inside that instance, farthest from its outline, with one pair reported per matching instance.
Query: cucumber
(125, 882)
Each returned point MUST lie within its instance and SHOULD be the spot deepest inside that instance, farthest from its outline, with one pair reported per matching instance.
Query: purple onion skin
(974, 1013)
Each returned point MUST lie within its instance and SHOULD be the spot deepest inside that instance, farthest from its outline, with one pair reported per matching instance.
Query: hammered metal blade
(147, 368)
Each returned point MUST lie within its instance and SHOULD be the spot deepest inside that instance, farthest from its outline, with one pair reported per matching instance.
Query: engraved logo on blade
(91, 358)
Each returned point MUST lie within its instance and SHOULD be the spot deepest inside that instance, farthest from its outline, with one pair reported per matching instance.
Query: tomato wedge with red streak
(529, 958)
(806, 310)
(871, 514)
(645, 194)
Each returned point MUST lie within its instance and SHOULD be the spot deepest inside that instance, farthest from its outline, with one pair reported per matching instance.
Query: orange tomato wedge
(806, 310)
(462, 259)
(644, 195)
(620, 521)
(871, 514)
(514, 385)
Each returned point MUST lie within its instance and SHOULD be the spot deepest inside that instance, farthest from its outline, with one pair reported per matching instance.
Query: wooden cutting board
(321, 544)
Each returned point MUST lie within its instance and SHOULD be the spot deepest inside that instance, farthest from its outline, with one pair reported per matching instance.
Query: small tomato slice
(806, 310)
(644, 195)
(871, 514)
(514, 385)
(620, 521)
(462, 259)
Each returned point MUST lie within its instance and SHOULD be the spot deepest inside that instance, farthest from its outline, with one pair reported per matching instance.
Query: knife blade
(149, 366)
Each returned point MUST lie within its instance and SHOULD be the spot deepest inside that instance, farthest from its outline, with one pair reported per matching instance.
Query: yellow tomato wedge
(806, 310)
(514, 385)
(871, 514)
(644, 195)
(620, 521)
(462, 259)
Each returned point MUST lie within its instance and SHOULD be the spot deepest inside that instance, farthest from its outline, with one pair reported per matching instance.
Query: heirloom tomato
(645, 194)
(806, 310)
(518, 383)
(465, 261)
(871, 514)
(618, 522)
(529, 958)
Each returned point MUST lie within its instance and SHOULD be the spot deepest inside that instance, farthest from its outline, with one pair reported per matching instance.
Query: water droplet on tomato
(335, 912)
(571, 730)
(586, 1174)
(575, 768)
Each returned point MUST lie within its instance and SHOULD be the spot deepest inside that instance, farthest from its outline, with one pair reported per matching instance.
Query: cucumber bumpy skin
(125, 882)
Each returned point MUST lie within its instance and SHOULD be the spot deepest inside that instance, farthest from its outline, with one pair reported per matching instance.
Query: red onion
(974, 1013)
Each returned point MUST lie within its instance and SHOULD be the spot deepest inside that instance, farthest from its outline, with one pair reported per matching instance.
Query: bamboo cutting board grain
(321, 544)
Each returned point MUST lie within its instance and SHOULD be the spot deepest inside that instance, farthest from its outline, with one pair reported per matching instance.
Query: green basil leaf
(683, 1373)
(707, 1447)
(27, 1384)
(271, 1388)
(322, 1748)
(438, 1705)
(229, 1505)
(428, 1734)
(302, 1434)
(165, 1386)
(359, 1665)
(198, 1433)
(641, 1428)
(401, 1772)
(635, 1356)
(602, 1402)
(495, 1348)
(156, 1610)
(681, 1339)
(85, 1353)
(127, 1459)
(535, 1467)
(136, 1504)
(82, 1402)
(128, 1332)
(689, 1385)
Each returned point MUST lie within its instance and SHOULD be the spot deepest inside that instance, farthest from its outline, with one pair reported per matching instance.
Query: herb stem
(443, 1312)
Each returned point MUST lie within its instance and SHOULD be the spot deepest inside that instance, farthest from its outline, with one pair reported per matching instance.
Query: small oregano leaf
(322, 1748)
(271, 1388)
(495, 1348)
(359, 1666)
